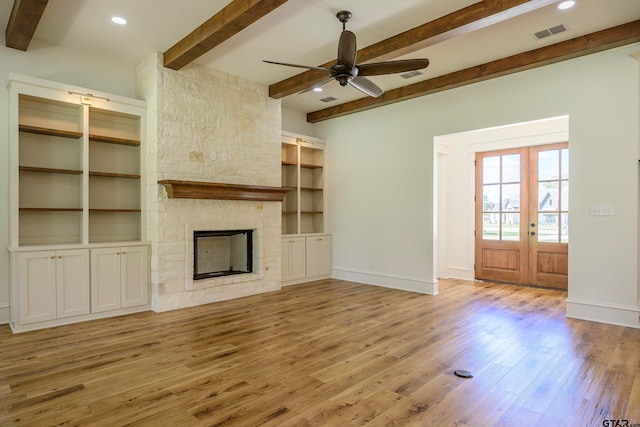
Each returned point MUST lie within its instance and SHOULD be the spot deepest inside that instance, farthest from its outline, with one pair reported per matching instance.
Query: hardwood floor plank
(329, 353)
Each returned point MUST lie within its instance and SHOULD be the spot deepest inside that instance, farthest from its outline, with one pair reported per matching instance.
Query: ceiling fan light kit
(348, 73)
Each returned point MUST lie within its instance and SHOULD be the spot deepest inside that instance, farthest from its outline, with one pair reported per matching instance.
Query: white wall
(381, 160)
(60, 65)
(296, 122)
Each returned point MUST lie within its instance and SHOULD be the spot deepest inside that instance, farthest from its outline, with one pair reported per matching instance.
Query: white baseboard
(622, 315)
(460, 273)
(4, 315)
(394, 282)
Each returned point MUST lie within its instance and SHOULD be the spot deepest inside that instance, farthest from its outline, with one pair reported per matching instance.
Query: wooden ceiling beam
(24, 19)
(232, 19)
(569, 49)
(463, 21)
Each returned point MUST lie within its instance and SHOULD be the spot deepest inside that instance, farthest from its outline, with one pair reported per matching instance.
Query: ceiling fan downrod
(344, 16)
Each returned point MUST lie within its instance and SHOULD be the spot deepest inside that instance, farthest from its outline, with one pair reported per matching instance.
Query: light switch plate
(601, 210)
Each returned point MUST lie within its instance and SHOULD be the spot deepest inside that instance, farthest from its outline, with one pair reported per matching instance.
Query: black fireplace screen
(222, 253)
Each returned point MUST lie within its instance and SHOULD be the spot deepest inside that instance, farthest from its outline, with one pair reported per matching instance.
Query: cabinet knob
(53, 257)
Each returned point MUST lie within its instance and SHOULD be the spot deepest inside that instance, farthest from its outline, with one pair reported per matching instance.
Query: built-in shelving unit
(303, 178)
(306, 248)
(76, 180)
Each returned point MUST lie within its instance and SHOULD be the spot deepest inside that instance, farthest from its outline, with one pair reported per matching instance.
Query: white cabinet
(305, 258)
(293, 258)
(53, 285)
(119, 278)
(318, 256)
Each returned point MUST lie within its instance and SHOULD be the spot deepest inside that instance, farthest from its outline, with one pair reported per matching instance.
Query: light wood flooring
(330, 353)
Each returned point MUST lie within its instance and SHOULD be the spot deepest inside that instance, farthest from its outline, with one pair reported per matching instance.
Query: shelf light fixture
(87, 97)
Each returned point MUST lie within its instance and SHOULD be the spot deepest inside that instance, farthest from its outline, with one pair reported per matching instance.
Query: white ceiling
(307, 32)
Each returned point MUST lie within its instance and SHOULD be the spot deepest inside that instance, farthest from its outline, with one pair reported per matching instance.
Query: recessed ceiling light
(566, 4)
(118, 20)
(317, 89)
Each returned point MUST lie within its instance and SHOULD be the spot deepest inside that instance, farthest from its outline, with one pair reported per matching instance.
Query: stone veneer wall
(192, 113)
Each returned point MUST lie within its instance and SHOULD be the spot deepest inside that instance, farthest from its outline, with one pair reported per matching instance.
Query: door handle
(533, 233)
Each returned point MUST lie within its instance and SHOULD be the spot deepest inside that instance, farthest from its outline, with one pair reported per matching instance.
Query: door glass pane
(510, 197)
(548, 165)
(564, 158)
(511, 168)
(548, 227)
(564, 200)
(548, 196)
(490, 226)
(564, 228)
(491, 170)
(491, 198)
(511, 226)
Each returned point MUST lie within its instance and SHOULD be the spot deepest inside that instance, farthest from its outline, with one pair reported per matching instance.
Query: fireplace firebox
(222, 253)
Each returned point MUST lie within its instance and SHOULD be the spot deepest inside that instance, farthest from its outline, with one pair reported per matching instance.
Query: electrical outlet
(213, 155)
(223, 156)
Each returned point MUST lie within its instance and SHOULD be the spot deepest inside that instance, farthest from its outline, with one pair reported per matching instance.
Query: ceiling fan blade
(392, 67)
(365, 85)
(347, 50)
(308, 67)
(322, 83)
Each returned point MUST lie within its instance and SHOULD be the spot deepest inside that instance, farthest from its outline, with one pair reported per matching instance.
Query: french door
(522, 215)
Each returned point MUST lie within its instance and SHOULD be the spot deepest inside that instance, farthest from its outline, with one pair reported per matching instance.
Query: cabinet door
(105, 279)
(134, 286)
(37, 277)
(318, 256)
(293, 258)
(72, 282)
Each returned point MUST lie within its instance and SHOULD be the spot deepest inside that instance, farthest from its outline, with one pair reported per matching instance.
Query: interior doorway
(455, 185)
(522, 215)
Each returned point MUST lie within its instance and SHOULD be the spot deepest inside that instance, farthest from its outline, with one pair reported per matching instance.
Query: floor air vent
(550, 31)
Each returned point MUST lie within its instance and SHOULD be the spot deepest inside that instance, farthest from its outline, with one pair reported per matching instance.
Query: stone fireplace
(205, 126)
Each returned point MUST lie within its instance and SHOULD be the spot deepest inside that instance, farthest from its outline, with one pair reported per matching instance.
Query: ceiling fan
(347, 72)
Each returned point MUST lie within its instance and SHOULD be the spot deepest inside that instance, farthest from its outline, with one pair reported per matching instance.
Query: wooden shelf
(50, 209)
(219, 191)
(289, 188)
(49, 170)
(311, 212)
(284, 163)
(48, 131)
(113, 210)
(114, 175)
(310, 189)
(112, 140)
(289, 212)
(310, 166)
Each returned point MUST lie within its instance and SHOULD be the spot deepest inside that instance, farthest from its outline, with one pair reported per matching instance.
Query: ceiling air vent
(328, 99)
(550, 31)
(410, 74)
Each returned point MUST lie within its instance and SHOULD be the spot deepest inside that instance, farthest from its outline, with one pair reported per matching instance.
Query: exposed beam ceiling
(579, 46)
(232, 19)
(23, 22)
(463, 21)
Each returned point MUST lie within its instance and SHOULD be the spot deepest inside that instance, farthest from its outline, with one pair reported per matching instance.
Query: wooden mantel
(219, 191)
